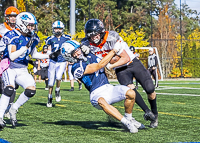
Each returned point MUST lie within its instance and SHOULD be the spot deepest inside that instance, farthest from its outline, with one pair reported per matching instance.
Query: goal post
(156, 52)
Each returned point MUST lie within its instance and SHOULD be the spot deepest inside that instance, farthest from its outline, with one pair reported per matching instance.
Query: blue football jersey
(56, 45)
(14, 37)
(91, 81)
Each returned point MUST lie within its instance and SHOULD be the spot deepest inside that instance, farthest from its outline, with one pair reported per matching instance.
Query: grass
(75, 120)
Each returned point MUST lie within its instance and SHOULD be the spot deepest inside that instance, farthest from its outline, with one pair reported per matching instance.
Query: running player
(19, 45)
(57, 66)
(90, 71)
(127, 67)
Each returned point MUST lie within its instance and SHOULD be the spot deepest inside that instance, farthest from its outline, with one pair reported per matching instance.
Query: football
(114, 59)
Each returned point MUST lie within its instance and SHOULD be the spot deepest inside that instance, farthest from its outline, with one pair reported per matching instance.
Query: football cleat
(80, 86)
(2, 123)
(131, 127)
(7, 115)
(13, 118)
(72, 89)
(149, 116)
(46, 88)
(154, 124)
(49, 103)
(137, 124)
(58, 97)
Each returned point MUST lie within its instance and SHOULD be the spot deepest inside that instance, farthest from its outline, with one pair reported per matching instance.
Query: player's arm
(123, 60)
(14, 53)
(37, 55)
(91, 68)
(38, 68)
(49, 49)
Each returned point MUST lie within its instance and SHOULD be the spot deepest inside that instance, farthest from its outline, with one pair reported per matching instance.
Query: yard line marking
(169, 87)
(164, 113)
(176, 94)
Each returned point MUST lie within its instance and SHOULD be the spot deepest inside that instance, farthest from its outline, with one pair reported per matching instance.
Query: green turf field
(75, 120)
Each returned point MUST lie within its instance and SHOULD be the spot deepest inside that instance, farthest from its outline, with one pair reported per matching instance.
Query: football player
(89, 70)
(19, 45)
(100, 42)
(152, 66)
(9, 24)
(57, 66)
(44, 64)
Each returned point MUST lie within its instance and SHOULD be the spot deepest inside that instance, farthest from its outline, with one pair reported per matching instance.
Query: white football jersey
(4, 28)
(110, 38)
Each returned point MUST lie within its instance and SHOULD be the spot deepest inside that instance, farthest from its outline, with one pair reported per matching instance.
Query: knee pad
(29, 92)
(149, 86)
(8, 91)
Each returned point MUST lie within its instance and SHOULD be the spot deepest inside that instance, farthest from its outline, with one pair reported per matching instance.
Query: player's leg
(71, 78)
(145, 80)
(80, 84)
(22, 77)
(8, 78)
(60, 69)
(125, 77)
(155, 76)
(51, 77)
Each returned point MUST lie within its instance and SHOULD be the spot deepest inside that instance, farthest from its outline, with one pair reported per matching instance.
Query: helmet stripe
(76, 46)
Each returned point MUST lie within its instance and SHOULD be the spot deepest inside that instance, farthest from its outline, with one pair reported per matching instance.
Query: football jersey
(110, 38)
(56, 45)
(91, 81)
(44, 62)
(14, 37)
(4, 28)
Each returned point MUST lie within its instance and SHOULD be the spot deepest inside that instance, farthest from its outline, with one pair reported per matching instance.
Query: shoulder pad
(113, 36)
(10, 35)
(49, 38)
(66, 36)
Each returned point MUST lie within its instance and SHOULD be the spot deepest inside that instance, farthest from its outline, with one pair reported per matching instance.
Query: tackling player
(19, 45)
(90, 71)
(57, 66)
(100, 42)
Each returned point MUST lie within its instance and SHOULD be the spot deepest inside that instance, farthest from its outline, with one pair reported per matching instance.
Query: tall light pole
(181, 43)
(72, 17)
(151, 26)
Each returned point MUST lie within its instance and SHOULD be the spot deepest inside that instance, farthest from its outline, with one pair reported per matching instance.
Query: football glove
(54, 54)
(30, 42)
(85, 49)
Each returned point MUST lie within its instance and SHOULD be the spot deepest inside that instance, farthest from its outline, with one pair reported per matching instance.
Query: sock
(124, 120)
(57, 88)
(46, 82)
(4, 101)
(153, 106)
(72, 87)
(140, 101)
(128, 116)
(50, 96)
(20, 101)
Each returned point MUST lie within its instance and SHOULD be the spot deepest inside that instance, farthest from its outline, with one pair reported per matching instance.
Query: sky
(193, 4)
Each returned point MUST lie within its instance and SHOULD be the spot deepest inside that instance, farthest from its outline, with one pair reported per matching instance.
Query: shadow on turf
(8, 124)
(89, 124)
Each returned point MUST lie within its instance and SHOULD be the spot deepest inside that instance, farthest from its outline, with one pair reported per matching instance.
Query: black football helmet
(132, 48)
(45, 47)
(94, 27)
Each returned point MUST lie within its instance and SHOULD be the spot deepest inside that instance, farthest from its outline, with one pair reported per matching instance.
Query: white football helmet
(23, 20)
(58, 24)
(67, 49)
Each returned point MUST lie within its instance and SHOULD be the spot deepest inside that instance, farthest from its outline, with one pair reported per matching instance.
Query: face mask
(96, 41)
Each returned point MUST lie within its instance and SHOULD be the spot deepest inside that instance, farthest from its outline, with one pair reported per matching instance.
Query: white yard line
(176, 94)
